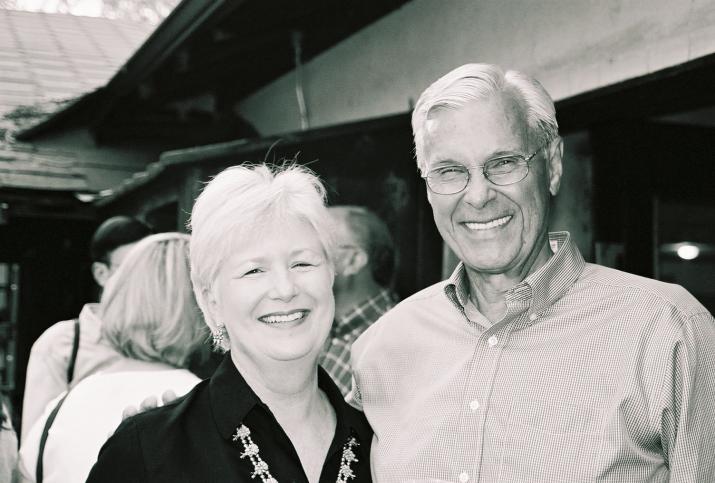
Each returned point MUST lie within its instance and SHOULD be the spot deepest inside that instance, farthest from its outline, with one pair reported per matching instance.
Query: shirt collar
(350, 421)
(379, 302)
(90, 313)
(543, 287)
(232, 399)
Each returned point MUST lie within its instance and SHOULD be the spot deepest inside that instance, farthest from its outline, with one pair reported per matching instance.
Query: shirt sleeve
(46, 375)
(688, 399)
(354, 397)
(120, 459)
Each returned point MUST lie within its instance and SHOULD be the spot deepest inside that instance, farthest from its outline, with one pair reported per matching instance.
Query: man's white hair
(242, 201)
(472, 82)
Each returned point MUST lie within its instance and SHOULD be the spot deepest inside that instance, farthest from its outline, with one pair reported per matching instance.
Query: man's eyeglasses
(502, 171)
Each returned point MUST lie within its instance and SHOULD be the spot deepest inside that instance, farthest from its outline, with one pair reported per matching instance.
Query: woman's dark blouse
(191, 440)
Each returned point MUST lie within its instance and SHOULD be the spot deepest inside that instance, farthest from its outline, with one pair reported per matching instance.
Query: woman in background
(262, 268)
(149, 315)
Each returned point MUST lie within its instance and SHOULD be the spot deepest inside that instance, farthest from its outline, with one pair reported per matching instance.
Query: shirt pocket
(551, 440)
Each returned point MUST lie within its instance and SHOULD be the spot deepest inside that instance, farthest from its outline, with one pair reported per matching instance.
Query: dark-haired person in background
(71, 350)
(364, 274)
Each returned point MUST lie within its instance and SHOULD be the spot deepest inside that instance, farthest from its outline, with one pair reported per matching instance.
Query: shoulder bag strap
(73, 357)
(43, 439)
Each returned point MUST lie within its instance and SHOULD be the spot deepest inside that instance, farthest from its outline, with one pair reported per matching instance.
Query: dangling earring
(219, 334)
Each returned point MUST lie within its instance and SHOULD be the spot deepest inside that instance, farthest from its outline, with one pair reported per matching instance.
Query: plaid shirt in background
(335, 358)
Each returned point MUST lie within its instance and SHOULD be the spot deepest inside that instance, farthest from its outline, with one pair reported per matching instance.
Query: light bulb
(688, 251)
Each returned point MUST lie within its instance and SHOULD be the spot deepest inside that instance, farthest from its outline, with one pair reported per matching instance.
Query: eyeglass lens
(500, 171)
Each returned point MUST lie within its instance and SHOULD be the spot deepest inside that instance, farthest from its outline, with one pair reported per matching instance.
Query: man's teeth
(489, 224)
(277, 319)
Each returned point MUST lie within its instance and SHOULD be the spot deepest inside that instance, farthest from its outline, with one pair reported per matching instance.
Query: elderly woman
(261, 260)
(149, 315)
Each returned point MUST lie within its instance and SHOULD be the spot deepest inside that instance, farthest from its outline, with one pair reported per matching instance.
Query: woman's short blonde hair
(243, 200)
(148, 310)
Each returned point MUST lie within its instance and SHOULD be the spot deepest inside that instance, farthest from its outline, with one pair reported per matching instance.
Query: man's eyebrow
(494, 154)
(504, 152)
(445, 161)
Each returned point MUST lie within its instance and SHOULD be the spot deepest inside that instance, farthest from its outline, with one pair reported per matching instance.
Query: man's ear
(555, 168)
(100, 272)
(355, 261)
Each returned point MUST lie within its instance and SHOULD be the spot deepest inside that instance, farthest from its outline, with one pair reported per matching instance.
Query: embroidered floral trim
(260, 467)
(347, 459)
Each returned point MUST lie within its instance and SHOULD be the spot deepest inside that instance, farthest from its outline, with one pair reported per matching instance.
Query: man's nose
(284, 286)
(479, 191)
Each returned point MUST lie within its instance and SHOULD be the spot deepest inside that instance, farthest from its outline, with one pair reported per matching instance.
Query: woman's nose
(284, 286)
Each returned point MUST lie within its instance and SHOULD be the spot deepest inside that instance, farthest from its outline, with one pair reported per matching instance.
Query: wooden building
(225, 82)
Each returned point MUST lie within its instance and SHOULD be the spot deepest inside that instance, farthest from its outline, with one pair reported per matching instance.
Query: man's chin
(488, 265)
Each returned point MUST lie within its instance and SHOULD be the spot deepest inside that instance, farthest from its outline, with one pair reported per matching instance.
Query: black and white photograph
(354, 241)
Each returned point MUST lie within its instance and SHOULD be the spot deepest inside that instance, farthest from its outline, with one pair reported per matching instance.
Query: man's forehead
(502, 104)
(495, 118)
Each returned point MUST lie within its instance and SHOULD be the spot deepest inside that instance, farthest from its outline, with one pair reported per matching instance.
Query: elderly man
(528, 364)
(364, 273)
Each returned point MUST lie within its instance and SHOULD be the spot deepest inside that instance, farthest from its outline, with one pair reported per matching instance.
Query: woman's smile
(297, 316)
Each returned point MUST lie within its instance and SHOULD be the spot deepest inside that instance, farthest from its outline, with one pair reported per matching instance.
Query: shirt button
(474, 405)
(335, 340)
(493, 341)
(464, 477)
(533, 317)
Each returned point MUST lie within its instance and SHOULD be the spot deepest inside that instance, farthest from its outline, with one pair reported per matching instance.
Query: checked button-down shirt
(335, 358)
(592, 375)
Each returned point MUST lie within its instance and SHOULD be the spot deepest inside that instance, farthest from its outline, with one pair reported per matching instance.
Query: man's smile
(488, 225)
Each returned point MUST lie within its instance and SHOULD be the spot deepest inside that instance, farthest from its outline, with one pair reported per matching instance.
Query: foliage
(23, 117)
(150, 11)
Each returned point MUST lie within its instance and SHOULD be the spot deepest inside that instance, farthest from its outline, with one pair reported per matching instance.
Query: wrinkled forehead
(498, 121)
(504, 104)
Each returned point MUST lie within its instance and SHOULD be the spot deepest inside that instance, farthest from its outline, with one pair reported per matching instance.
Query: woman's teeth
(277, 319)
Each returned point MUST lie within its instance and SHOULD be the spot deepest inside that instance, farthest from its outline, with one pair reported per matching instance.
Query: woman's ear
(211, 301)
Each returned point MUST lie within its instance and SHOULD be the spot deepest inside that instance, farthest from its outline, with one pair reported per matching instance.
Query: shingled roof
(45, 60)
(50, 56)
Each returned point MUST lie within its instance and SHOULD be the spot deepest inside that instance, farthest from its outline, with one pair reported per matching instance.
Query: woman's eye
(303, 264)
(253, 271)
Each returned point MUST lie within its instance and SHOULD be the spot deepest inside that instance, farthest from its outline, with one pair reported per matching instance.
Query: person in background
(262, 270)
(8, 444)
(364, 273)
(151, 319)
(528, 364)
(71, 350)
